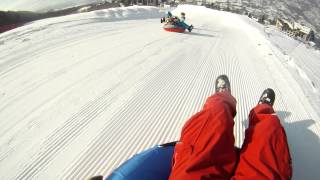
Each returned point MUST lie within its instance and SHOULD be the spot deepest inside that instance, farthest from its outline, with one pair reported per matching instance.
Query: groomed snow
(80, 94)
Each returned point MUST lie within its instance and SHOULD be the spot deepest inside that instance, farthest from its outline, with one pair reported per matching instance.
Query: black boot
(190, 28)
(162, 20)
(222, 84)
(99, 177)
(267, 97)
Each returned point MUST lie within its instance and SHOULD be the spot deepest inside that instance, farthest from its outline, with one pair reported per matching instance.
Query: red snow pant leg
(265, 152)
(206, 148)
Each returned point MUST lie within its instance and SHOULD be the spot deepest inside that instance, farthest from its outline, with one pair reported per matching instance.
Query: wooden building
(293, 29)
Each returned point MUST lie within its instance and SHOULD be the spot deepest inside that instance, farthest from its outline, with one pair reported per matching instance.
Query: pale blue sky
(40, 5)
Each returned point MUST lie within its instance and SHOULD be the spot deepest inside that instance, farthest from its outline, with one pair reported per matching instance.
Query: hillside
(304, 11)
(13, 19)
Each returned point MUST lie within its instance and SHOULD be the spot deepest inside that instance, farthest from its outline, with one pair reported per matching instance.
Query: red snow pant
(206, 147)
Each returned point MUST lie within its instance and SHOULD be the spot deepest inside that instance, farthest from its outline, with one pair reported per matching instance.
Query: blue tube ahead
(152, 164)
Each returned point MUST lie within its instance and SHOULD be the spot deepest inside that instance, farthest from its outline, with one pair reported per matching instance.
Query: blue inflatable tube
(152, 164)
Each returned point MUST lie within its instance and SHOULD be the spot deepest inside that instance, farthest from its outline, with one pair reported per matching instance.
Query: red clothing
(206, 134)
(206, 148)
(265, 152)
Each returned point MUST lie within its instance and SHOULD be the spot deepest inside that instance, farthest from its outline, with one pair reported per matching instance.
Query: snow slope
(80, 94)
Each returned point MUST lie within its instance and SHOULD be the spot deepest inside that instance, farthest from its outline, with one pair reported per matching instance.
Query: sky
(40, 5)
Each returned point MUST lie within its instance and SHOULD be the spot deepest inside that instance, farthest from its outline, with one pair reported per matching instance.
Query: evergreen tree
(311, 36)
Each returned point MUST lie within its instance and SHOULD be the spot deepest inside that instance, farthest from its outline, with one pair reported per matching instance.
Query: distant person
(183, 16)
(206, 147)
(174, 20)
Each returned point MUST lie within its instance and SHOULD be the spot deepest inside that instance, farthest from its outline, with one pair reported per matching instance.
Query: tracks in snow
(136, 92)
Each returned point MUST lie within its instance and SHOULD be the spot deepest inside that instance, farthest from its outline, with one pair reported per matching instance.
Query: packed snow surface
(81, 94)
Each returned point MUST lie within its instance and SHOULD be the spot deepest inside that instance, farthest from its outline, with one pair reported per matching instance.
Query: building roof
(288, 23)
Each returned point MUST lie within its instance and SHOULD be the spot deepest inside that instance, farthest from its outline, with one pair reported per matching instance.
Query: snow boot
(267, 97)
(162, 20)
(96, 178)
(222, 84)
(190, 28)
